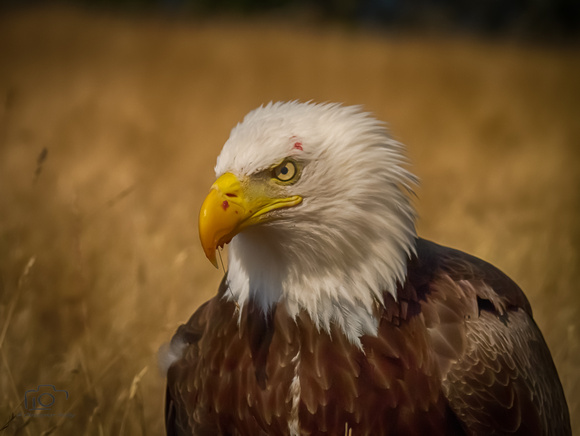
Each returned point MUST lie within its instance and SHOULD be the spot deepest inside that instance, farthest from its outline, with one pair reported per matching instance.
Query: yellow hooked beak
(230, 207)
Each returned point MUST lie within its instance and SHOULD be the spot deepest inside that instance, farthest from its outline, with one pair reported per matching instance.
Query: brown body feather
(457, 354)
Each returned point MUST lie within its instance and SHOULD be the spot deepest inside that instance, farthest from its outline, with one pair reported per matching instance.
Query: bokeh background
(112, 115)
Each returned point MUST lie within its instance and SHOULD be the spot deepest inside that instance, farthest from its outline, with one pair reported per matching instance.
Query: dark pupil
(284, 170)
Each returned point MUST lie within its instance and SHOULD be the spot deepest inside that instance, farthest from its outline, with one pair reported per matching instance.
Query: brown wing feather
(497, 372)
(458, 353)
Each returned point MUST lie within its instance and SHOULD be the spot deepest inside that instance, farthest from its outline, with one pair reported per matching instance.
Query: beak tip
(214, 263)
(210, 254)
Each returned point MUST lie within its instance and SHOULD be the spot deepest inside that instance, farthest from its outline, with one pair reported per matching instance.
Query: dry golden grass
(99, 257)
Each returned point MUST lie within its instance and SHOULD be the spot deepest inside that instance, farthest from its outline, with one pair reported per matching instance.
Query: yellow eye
(286, 171)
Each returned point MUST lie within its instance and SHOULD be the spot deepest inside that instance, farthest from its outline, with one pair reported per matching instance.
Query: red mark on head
(225, 205)
(297, 144)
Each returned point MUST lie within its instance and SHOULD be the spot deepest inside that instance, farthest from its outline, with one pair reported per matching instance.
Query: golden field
(109, 129)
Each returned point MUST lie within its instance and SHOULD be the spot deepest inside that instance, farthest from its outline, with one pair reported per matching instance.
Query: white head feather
(349, 240)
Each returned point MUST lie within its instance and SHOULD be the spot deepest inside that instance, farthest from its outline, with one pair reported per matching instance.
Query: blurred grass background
(110, 123)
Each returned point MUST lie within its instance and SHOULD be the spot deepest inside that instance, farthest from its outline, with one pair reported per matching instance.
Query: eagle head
(314, 201)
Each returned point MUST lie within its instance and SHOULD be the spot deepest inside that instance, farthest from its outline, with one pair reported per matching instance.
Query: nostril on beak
(231, 195)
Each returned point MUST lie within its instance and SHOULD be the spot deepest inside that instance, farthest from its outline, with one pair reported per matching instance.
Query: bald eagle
(334, 317)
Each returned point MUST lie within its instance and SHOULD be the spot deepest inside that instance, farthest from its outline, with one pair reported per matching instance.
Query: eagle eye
(286, 171)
